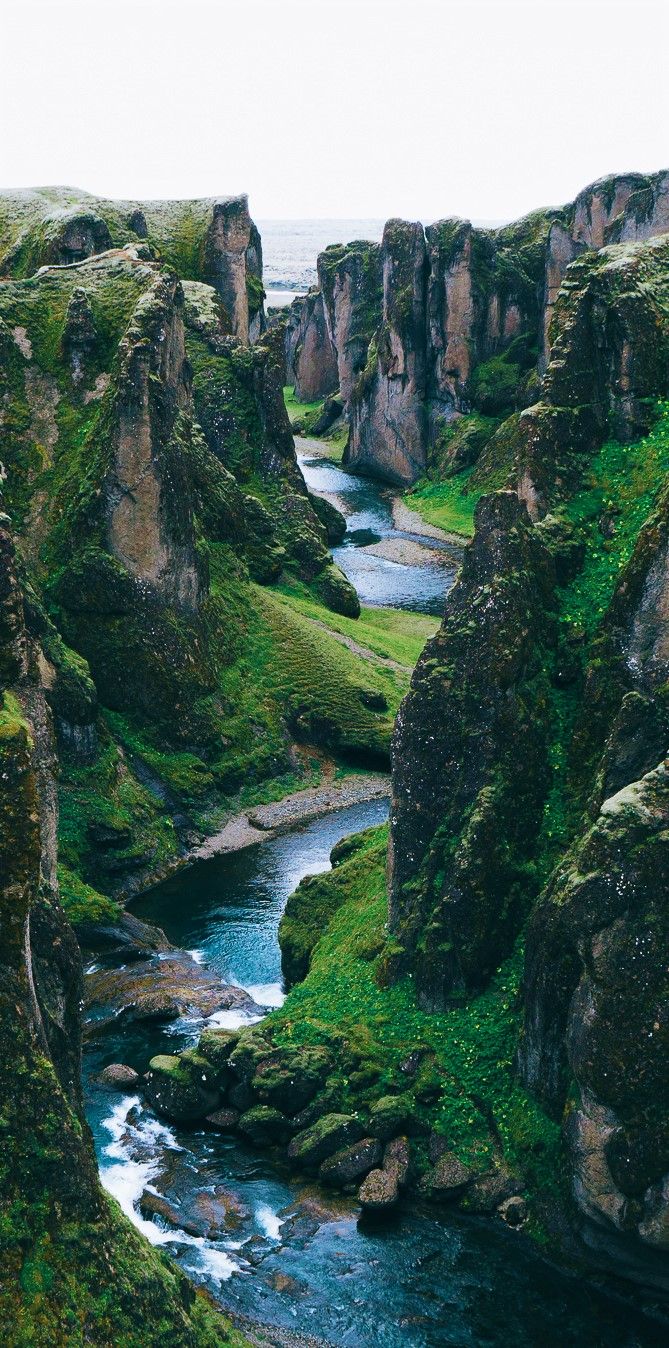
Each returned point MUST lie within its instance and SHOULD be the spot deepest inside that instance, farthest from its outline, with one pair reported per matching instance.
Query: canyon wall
(69, 1258)
(529, 774)
(468, 331)
(212, 240)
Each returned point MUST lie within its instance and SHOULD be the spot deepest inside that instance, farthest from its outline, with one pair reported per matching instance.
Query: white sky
(338, 109)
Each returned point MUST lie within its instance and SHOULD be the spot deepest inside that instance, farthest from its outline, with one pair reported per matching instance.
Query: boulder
(397, 1159)
(379, 1190)
(288, 1079)
(264, 1125)
(223, 1120)
(326, 1136)
(182, 1088)
(156, 1205)
(351, 1163)
(217, 1045)
(513, 1210)
(119, 1077)
(487, 1192)
(390, 1115)
(448, 1178)
(160, 990)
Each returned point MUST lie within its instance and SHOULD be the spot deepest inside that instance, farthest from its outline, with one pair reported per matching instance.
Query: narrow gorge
(334, 783)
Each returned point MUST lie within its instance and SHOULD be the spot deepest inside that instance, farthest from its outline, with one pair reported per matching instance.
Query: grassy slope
(474, 1046)
(394, 634)
(304, 415)
(448, 504)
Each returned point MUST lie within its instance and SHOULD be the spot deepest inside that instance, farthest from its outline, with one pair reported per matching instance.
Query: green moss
(449, 504)
(470, 1049)
(618, 493)
(12, 720)
(81, 902)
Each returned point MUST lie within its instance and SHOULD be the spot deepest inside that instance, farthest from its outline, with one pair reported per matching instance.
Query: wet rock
(487, 1192)
(281, 1282)
(397, 1159)
(223, 1120)
(328, 1135)
(156, 1205)
(448, 1178)
(159, 990)
(513, 1210)
(351, 1163)
(182, 1088)
(125, 935)
(119, 1076)
(264, 1125)
(219, 1212)
(379, 1190)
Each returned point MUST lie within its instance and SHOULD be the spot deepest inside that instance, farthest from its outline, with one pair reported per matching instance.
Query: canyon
(476, 1014)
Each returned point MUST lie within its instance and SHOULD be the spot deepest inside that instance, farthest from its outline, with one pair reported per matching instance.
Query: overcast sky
(339, 109)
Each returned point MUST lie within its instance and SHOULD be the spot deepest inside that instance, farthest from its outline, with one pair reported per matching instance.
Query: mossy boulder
(264, 1125)
(182, 1088)
(393, 1114)
(330, 1134)
(217, 1045)
(289, 1078)
(350, 1164)
(336, 592)
(447, 1179)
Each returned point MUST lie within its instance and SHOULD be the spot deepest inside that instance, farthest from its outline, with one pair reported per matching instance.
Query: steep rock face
(388, 414)
(469, 761)
(597, 992)
(68, 1256)
(632, 207)
(483, 320)
(213, 240)
(149, 523)
(351, 283)
(311, 359)
(609, 357)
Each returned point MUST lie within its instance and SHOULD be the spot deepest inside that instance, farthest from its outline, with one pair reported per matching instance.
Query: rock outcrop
(212, 240)
(470, 765)
(470, 331)
(311, 358)
(529, 773)
(68, 1255)
(388, 413)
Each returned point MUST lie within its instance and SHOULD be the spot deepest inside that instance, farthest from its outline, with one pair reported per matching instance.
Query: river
(267, 1245)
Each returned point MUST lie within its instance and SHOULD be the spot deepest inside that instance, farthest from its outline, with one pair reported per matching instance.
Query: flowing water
(368, 507)
(270, 1246)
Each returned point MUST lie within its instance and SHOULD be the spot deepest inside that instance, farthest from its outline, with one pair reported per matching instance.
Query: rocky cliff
(530, 789)
(469, 332)
(74, 1271)
(213, 240)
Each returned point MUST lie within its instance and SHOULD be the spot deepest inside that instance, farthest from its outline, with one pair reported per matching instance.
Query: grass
(393, 634)
(447, 504)
(474, 1046)
(623, 482)
(303, 416)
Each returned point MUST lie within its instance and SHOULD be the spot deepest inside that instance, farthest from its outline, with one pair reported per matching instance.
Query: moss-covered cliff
(73, 1270)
